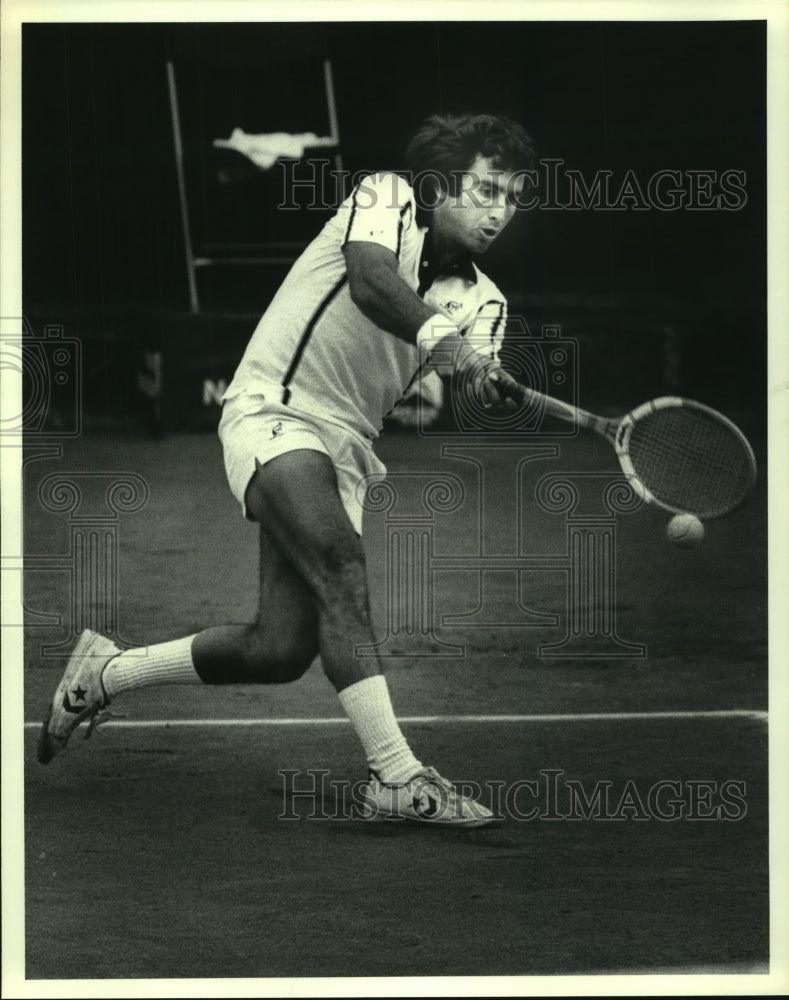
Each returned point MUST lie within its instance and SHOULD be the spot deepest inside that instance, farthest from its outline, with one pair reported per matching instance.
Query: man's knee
(262, 657)
(280, 658)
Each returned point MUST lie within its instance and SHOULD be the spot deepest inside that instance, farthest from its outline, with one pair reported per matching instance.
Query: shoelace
(426, 774)
(101, 718)
(430, 776)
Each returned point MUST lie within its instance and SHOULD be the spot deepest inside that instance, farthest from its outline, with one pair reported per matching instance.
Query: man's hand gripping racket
(678, 454)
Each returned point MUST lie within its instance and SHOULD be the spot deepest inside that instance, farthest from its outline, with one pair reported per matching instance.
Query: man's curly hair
(449, 144)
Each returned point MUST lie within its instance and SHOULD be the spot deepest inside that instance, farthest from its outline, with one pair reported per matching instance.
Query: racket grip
(574, 415)
(554, 407)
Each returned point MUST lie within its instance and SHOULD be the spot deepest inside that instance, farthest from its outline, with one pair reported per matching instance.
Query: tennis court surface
(208, 833)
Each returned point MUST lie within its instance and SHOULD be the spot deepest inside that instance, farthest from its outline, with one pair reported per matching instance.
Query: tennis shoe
(80, 696)
(425, 798)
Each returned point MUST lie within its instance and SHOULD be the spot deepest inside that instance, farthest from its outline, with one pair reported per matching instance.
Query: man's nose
(501, 212)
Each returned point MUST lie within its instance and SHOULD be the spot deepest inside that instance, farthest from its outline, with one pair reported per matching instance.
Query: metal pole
(179, 166)
(334, 126)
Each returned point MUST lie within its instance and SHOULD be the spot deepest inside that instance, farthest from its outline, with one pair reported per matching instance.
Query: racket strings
(690, 460)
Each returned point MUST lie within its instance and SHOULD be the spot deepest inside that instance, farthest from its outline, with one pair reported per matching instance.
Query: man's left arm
(485, 333)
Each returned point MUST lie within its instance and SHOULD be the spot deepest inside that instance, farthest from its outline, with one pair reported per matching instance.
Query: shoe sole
(446, 824)
(50, 745)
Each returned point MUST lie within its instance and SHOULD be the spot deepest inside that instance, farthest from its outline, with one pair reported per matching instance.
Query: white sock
(165, 663)
(369, 708)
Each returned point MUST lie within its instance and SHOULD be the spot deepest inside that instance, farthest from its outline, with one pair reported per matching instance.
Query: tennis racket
(678, 454)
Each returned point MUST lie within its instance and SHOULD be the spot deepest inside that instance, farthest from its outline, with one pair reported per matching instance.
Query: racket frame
(624, 430)
(617, 431)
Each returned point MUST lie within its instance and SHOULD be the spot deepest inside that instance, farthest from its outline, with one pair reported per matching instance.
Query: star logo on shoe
(80, 694)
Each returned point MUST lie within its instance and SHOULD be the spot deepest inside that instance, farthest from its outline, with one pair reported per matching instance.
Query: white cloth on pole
(264, 150)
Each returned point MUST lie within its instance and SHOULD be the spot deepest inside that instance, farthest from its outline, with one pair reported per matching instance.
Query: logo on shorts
(276, 430)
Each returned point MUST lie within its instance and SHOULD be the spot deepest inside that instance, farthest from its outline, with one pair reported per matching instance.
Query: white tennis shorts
(254, 430)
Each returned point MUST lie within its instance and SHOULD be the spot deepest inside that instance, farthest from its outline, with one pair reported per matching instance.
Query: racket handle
(561, 410)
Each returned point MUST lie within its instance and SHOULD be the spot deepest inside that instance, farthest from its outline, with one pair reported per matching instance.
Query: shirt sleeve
(379, 210)
(485, 330)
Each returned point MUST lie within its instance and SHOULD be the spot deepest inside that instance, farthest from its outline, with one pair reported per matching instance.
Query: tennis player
(387, 291)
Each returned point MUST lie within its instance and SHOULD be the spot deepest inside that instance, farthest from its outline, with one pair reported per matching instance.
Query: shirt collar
(462, 267)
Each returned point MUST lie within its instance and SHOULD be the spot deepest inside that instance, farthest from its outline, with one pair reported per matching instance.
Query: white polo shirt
(315, 351)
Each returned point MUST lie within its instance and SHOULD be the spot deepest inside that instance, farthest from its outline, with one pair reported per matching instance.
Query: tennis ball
(685, 531)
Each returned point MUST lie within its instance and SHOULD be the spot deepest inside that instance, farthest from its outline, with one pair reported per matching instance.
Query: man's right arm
(382, 296)
(380, 293)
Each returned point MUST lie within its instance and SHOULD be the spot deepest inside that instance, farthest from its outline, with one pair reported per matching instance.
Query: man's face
(484, 204)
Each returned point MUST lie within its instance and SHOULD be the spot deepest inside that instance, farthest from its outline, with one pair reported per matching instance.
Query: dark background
(176, 888)
(102, 239)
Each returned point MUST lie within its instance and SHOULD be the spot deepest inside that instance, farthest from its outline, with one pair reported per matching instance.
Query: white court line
(733, 713)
